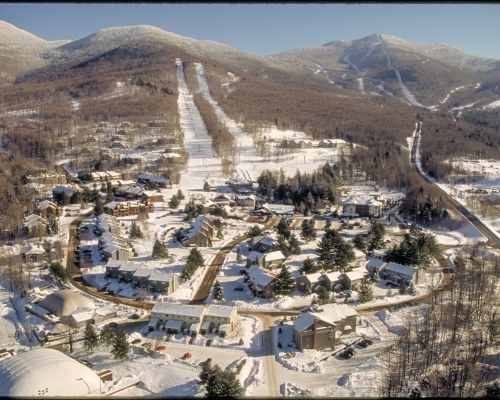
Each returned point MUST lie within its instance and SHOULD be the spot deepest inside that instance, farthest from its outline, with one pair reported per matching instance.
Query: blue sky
(268, 28)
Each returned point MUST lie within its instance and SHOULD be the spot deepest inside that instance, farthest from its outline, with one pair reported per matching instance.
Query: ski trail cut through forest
(203, 164)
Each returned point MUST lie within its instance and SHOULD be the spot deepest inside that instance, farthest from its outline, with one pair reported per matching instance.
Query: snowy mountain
(385, 65)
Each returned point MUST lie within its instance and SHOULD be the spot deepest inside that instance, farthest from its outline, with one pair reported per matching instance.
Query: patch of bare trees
(446, 347)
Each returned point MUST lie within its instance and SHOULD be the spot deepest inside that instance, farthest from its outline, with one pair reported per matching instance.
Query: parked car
(135, 316)
(239, 288)
(365, 343)
(113, 325)
(136, 341)
(347, 353)
(160, 348)
(186, 356)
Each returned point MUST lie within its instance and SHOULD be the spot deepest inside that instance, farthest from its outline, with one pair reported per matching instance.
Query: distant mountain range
(434, 76)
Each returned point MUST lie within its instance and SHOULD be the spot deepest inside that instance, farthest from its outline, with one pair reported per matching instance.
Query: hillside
(368, 91)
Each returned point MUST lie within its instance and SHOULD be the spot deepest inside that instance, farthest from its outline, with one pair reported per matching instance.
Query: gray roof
(184, 310)
(402, 269)
(259, 276)
(161, 276)
(215, 310)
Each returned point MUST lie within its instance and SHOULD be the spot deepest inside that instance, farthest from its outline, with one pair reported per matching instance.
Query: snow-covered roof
(259, 275)
(402, 269)
(273, 256)
(128, 267)
(314, 277)
(142, 273)
(160, 277)
(303, 322)
(181, 310)
(375, 263)
(215, 310)
(354, 275)
(64, 302)
(173, 324)
(333, 276)
(33, 249)
(82, 316)
(46, 372)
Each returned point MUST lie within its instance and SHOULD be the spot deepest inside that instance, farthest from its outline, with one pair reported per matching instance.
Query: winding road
(493, 239)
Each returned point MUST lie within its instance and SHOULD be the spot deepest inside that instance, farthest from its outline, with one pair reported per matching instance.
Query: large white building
(46, 372)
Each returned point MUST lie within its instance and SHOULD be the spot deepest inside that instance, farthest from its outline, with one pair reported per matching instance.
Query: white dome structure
(46, 372)
(65, 302)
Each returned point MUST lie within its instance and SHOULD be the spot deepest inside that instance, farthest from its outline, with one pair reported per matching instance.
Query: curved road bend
(213, 269)
(459, 208)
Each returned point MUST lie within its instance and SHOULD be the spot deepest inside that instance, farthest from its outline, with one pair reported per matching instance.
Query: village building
(263, 244)
(108, 223)
(63, 303)
(201, 233)
(149, 179)
(353, 280)
(47, 179)
(333, 281)
(34, 225)
(219, 318)
(398, 273)
(33, 254)
(320, 330)
(162, 282)
(260, 281)
(315, 281)
(193, 319)
(178, 318)
(271, 260)
(361, 207)
(332, 143)
(45, 207)
(125, 209)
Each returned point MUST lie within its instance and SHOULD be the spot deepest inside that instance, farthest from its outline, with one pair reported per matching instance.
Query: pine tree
(374, 275)
(283, 229)
(174, 202)
(376, 236)
(90, 338)
(98, 209)
(106, 336)
(206, 186)
(284, 282)
(293, 245)
(307, 231)
(195, 258)
(365, 292)
(135, 231)
(334, 252)
(238, 254)
(359, 242)
(120, 347)
(308, 266)
(206, 371)
(223, 383)
(159, 250)
(218, 293)
(254, 231)
(187, 272)
(323, 296)
(180, 195)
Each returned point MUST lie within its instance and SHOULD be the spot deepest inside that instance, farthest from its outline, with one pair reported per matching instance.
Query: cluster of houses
(307, 143)
(140, 276)
(36, 224)
(193, 319)
(201, 233)
(111, 245)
